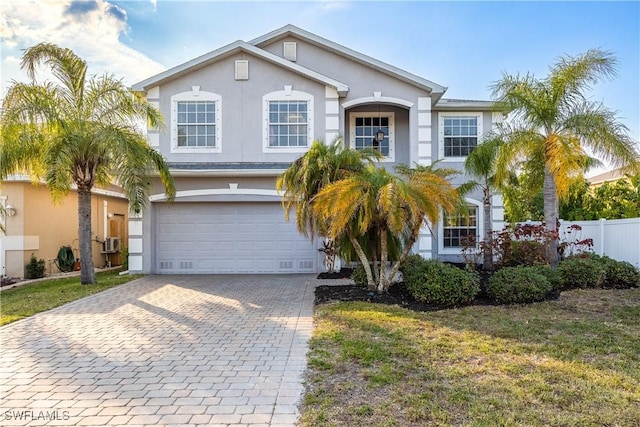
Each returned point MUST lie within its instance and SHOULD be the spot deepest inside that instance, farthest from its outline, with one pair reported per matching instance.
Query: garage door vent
(166, 265)
(286, 265)
(186, 265)
(305, 264)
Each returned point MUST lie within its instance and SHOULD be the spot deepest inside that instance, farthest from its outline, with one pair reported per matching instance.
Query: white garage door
(230, 238)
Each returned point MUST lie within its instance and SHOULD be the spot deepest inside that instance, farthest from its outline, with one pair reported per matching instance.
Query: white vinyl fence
(617, 238)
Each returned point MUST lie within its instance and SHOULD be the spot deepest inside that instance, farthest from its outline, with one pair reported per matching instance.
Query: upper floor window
(458, 228)
(459, 133)
(363, 129)
(288, 121)
(288, 124)
(195, 122)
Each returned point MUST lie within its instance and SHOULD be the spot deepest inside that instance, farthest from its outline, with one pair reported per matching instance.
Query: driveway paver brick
(163, 350)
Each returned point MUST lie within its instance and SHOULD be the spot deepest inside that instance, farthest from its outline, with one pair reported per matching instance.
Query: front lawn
(27, 300)
(574, 361)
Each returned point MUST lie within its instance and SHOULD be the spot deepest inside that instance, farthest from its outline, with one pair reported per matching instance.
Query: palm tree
(387, 204)
(554, 121)
(318, 167)
(481, 163)
(79, 132)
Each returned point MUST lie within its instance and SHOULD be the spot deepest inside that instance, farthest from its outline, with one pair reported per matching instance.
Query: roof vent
(290, 51)
(242, 69)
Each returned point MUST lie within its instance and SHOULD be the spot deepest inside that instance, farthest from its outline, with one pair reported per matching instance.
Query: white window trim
(286, 95)
(196, 96)
(441, 117)
(392, 130)
(480, 227)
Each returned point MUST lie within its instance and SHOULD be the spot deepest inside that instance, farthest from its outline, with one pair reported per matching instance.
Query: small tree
(308, 175)
(555, 122)
(80, 132)
(377, 201)
(481, 163)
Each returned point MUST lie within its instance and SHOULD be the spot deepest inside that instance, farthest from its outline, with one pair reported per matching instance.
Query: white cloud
(91, 29)
(12, 59)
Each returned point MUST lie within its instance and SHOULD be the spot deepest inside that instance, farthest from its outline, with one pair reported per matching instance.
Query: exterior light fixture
(379, 136)
(10, 210)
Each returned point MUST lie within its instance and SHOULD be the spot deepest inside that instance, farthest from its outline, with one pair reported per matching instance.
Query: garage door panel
(230, 238)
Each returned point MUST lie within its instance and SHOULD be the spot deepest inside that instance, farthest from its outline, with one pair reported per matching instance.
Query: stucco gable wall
(361, 79)
(242, 108)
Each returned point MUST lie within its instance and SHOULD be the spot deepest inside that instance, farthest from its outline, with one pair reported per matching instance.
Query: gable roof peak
(230, 49)
(366, 60)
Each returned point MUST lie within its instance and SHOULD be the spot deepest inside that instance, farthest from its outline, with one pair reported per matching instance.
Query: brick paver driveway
(163, 350)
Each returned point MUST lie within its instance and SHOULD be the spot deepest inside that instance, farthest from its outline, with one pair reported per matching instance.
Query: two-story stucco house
(238, 116)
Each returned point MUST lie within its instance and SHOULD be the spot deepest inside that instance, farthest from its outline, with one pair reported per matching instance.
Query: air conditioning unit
(111, 244)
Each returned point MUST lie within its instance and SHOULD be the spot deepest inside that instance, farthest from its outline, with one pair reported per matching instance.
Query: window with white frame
(288, 124)
(363, 129)
(288, 118)
(195, 122)
(459, 133)
(457, 229)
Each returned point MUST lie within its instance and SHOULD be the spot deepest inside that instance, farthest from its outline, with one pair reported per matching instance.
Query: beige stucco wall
(42, 227)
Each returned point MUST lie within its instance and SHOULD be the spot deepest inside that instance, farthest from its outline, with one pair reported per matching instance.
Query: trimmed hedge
(551, 274)
(517, 285)
(581, 272)
(436, 283)
(619, 274)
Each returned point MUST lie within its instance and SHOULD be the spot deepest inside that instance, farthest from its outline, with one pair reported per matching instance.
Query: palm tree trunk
(383, 283)
(551, 217)
(487, 249)
(371, 285)
(405, 253)
(87, 274)
(374, 255)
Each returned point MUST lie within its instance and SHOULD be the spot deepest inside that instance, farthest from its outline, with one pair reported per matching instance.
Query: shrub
(582, 272)
(35, 268)
(411, 266)
(517, 285)
(436, 283)
(523, 252)
(359, 276)
(551, 274)
(619, 274)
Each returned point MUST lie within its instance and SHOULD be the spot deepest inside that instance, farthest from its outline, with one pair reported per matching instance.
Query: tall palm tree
(80, 132)
(310, 173)
(389, 204)
(553, 120)
(481, 163)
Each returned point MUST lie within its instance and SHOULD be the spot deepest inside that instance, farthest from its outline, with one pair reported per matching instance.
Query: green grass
(27, 300)
(570, 362)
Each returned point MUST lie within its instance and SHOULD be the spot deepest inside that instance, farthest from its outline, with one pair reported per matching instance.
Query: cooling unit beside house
(111, 244)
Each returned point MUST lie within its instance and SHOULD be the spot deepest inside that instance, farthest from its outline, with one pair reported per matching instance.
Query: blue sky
(462, 45)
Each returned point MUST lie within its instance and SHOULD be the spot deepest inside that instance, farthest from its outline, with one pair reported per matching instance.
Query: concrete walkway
(163, 350)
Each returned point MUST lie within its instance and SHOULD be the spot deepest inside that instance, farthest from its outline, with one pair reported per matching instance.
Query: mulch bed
(397, 295)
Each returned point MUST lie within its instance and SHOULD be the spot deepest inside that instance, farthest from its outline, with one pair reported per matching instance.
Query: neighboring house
(609, 176)
(238, 116)
(35, 225)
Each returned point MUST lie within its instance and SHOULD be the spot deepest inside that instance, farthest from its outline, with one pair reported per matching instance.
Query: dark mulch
(344, 273)
(397, 295)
